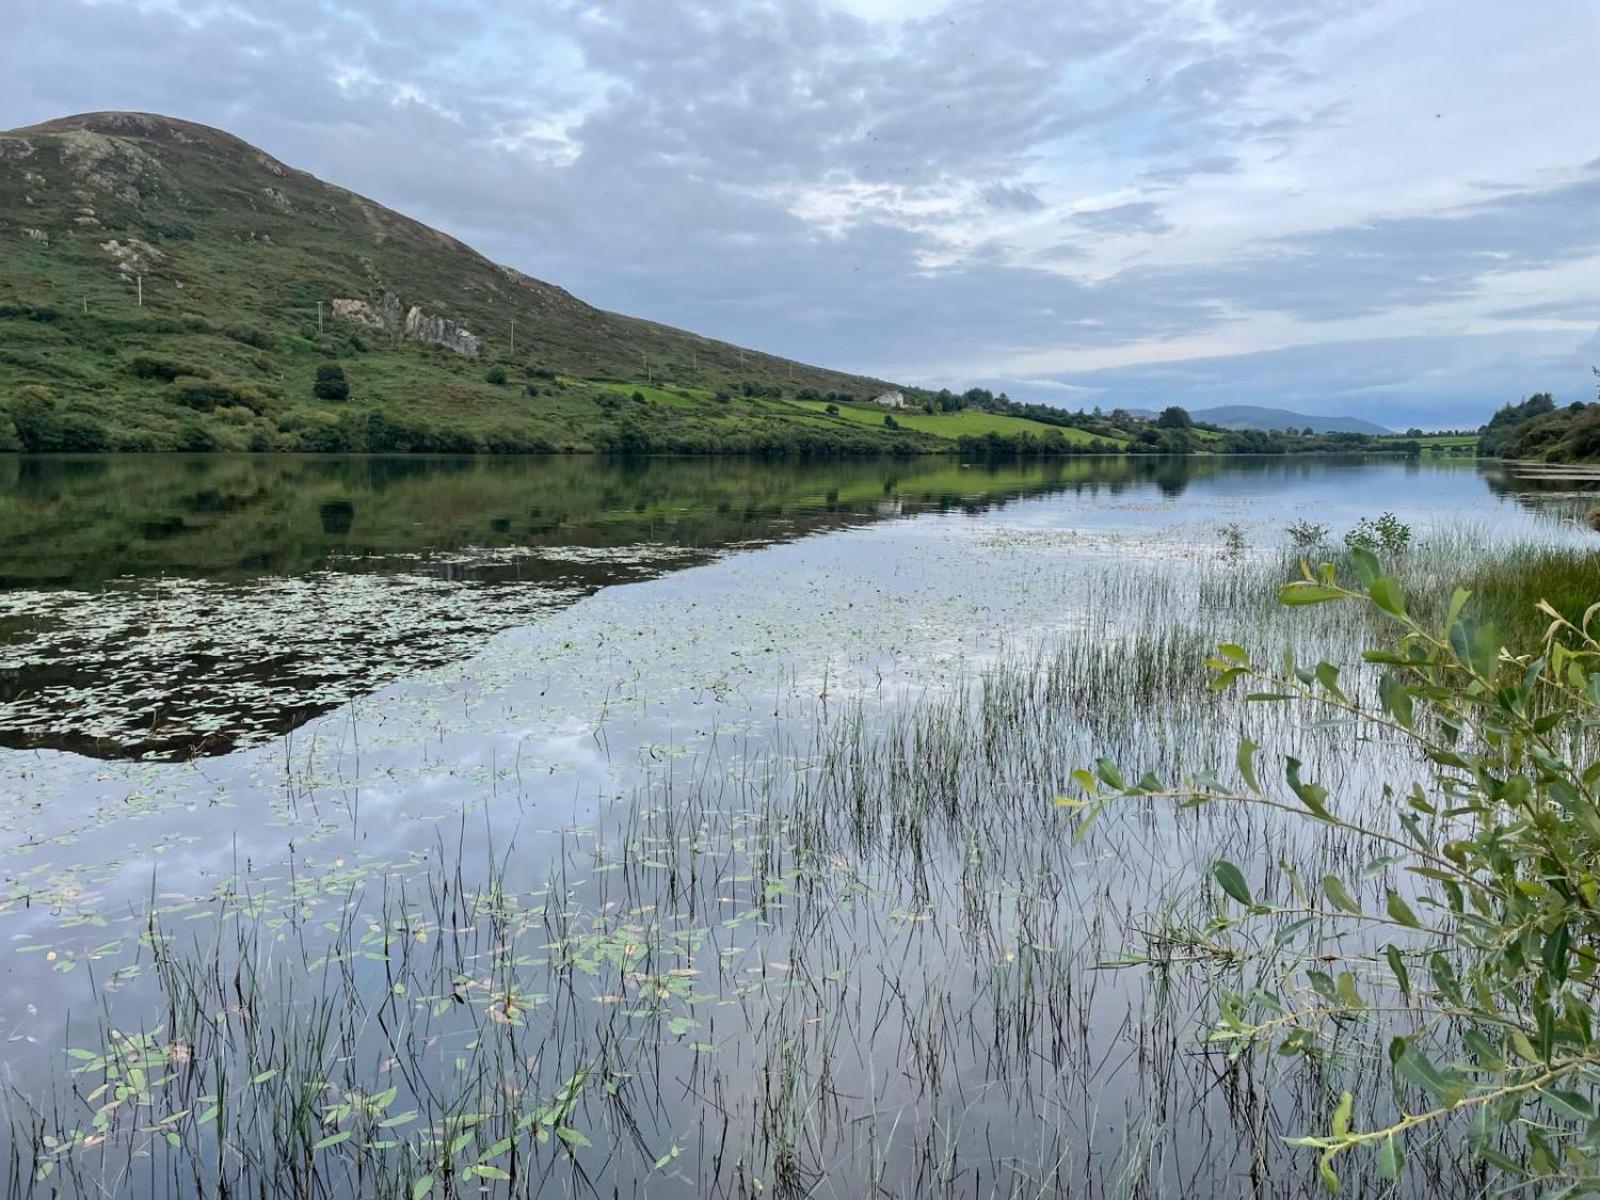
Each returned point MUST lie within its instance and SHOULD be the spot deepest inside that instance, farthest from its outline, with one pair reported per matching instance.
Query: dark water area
(172, 606)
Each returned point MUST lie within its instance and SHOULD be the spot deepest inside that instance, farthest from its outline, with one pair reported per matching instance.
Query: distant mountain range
(1251, 416)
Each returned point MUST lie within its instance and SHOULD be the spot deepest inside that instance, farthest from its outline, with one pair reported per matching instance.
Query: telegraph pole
(139, 280)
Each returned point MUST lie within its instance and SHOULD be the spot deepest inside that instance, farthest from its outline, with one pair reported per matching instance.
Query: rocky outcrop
(415, 326)
(386, 316)
(420, 327)
(891, 400)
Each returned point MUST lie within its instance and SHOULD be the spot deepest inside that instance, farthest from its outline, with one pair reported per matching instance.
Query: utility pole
(139, 280)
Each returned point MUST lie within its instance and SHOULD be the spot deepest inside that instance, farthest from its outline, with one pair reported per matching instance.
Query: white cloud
(935, 189)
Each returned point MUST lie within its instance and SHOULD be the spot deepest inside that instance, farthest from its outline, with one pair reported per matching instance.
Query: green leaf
(1400, 911)
(571, 1136)
(1366, 565)
(1396, 700)
(1245, 760)
(1570, 1106)
(1312, 795)
(1341, 898)
(1231, 880)
(333, 1139)
(1555, 952)
(1107, 770)
(1386, 594)
(1397, 965)
(1341, 1115)
(1348, 994)
(1390, 1158)
(1300, 592)
(1330, 1181)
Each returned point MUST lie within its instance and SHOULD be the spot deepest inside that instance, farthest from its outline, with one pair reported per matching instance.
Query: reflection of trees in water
(1557, 493)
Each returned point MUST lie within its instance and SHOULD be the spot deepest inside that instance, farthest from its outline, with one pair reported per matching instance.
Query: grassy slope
(952, 425)
(236, 251)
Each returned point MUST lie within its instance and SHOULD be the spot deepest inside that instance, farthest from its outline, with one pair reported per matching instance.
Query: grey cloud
(699, 121)
(1140, 216)
(1392, 381)
(1012, 197)
(1394, 262)
(1579, 309)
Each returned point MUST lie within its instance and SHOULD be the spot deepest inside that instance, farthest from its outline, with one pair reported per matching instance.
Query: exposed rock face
(421, 327)
(891, 400)
(416, 325)
(134, 257)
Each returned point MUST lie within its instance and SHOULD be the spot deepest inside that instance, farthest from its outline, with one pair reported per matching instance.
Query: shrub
(495, 375)
(196, 438)
(1306, 535)
(889, 422)
(202, 395)
(82, 432)
(148, 366)
(1484, 945)
(258, 338)
(331, 383)
(638, 398)
(832, 410)
(1387, 534)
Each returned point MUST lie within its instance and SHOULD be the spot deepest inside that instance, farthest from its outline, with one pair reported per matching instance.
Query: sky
(1381, 208)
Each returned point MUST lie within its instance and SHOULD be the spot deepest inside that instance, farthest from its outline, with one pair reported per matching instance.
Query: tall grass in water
(863, 957)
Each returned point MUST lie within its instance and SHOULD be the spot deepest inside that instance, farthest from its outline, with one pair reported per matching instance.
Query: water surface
(300, 688)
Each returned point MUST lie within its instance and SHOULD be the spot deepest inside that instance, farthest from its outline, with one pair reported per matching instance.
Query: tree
(331, 383)
(1481, 933)
(1174, 417)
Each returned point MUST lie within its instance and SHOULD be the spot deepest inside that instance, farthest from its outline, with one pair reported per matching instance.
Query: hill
(164, 285)
(1250, 416)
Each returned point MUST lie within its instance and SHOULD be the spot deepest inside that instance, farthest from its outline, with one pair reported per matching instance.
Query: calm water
(311, 680)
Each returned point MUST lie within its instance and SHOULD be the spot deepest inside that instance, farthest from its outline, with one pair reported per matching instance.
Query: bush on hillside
(331, 383)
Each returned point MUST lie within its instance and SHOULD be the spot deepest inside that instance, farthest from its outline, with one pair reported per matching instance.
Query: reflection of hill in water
(79, 522)
(173, 606)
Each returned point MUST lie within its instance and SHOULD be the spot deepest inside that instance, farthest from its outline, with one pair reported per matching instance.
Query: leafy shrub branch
(1486, 949)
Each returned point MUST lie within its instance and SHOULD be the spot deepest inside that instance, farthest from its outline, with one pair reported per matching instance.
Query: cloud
(1013, 197)
(927, 189)
(1428, 381)
(1140, 216)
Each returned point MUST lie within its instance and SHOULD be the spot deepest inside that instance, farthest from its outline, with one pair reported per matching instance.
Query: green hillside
(258, 280)
(968, 422)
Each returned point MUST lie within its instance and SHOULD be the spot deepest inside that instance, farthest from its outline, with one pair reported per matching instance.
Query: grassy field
(967, 422)
(1453, 442)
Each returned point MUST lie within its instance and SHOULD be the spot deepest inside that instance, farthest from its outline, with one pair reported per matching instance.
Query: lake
(574, 827)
